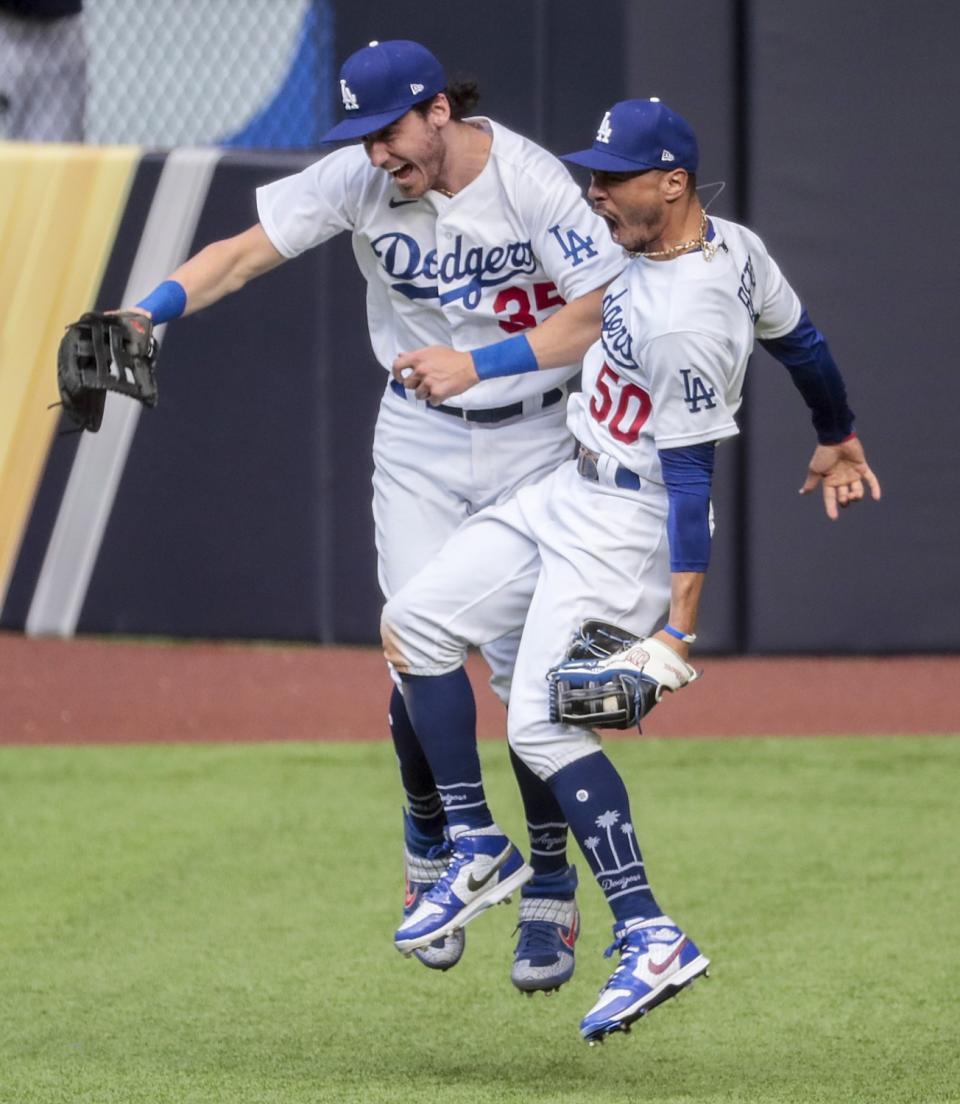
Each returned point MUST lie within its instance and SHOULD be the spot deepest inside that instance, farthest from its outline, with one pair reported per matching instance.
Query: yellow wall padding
(59, 210)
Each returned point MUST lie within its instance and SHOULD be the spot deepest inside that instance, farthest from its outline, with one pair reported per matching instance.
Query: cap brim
(602, 161)
(359, 126)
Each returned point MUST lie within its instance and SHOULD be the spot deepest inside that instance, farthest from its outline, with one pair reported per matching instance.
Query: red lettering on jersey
(545, 296)
(623, 399)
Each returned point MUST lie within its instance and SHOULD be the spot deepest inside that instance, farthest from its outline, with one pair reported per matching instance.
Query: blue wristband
(167, 301)
(505, 358)
(687, 638)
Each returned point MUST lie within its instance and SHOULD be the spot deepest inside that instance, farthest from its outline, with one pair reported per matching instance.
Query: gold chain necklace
(709, 248)
(443, 191)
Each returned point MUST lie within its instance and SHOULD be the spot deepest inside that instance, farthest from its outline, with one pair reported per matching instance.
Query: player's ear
(673, 184)
(439, 111)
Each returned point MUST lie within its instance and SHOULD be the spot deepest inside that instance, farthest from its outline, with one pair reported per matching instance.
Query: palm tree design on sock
(592, 843)
(607, 820)
(627, 829)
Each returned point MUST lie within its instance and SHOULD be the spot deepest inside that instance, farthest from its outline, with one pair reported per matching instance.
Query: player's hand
(435, 373)
(682, 649)
(841, 470)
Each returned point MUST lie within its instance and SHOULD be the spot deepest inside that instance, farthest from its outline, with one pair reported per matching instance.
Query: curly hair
(462, 95)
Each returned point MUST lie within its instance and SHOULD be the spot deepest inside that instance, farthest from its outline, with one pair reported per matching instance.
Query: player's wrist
(680, 634)
(470, 369)
(835, 440)
(166, 302)
(511, 357)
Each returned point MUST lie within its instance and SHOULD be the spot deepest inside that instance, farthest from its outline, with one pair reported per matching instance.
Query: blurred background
(240, 508)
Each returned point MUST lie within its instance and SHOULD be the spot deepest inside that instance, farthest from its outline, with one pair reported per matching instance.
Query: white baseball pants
(433, 471)
(561, 551)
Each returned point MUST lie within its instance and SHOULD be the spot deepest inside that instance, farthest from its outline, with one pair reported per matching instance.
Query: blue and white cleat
(549, 925)
(656, 961)
(421, 873)
(484, 869)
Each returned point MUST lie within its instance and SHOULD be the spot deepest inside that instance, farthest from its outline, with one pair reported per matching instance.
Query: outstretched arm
(437, 373)
(217, 270)
(838, 463)
(565, 336)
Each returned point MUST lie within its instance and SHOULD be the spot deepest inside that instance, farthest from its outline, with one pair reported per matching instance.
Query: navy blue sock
(546, 824)
(559, 885)
(443, 713)
(594, 799)
(423, 801)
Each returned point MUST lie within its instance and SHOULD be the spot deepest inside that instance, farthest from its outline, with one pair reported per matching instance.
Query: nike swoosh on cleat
(473, 884)
(570, 938)
(402, 202)
(659, 968)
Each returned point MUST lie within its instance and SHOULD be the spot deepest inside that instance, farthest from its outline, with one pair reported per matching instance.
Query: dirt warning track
(90, 690)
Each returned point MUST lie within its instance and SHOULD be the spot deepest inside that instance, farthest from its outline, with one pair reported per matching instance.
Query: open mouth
(612, 224)
(402, 173)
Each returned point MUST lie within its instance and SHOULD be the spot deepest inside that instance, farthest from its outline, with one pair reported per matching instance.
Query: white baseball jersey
(498, 257)
(676, 336)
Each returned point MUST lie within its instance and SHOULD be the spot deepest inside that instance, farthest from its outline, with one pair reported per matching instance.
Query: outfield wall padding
(853, 183)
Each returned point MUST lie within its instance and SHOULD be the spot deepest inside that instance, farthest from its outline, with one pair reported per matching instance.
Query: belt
(490, 415)
(600, 468)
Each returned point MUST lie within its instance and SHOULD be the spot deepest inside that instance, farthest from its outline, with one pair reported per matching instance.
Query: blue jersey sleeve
(806, 356)
(688, 474)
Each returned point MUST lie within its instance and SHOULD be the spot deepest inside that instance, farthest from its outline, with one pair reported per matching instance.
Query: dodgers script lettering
(469, 270)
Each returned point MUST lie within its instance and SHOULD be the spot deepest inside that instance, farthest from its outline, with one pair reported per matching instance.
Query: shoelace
(536, 935)
(440, 850)
(629, 951)
(440, 892)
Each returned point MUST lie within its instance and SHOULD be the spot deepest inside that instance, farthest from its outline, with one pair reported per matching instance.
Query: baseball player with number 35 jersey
(465, 232)
(621, 534)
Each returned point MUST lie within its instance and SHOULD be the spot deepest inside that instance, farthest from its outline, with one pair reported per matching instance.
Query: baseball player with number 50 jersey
(621, 535)
(675, 339)
(465, 232)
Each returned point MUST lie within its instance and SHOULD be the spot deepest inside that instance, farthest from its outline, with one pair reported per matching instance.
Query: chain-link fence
(167, 72)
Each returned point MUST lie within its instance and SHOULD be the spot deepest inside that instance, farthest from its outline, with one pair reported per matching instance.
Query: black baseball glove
(105, 352)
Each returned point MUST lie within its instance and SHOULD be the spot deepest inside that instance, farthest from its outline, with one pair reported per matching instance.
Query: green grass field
(213, 923)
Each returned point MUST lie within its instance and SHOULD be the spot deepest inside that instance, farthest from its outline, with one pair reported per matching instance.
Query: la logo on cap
(349, 99)
(605, 131)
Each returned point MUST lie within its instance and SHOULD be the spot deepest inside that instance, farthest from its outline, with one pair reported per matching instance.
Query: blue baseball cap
(636, 135)
(381, 82)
